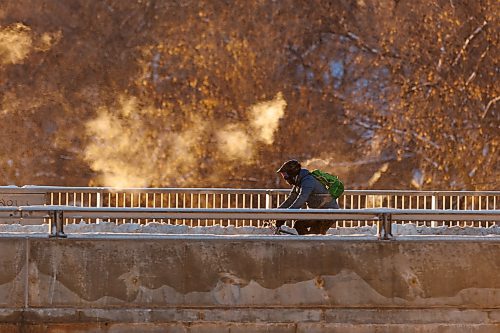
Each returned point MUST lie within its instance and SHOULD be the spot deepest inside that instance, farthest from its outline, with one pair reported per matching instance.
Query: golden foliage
(175, 93)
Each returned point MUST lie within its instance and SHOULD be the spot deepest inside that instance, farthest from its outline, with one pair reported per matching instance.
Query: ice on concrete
(163, 228)
(24, 228)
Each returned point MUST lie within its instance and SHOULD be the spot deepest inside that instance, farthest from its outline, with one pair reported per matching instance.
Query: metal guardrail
(384, 217)
(224, 198)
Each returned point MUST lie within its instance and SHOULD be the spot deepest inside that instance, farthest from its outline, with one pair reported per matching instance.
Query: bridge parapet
(213, 284)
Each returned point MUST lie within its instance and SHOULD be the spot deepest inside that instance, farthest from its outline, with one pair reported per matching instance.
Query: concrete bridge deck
(202, 283)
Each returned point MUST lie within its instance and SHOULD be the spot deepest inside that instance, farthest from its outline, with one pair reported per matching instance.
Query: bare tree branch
(474, 73)
(362, 44)
(468, 40)
(490, 103)
(419, 137)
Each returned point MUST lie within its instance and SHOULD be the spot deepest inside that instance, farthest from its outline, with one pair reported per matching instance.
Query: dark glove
(280, 223)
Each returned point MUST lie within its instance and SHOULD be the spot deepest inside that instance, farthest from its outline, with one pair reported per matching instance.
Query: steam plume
(265, 117)
(126, 152)
(128, 146)
(15, 43)
(234, 142)
(238, 141)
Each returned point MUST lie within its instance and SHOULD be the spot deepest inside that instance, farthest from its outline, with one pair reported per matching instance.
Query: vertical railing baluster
(184, 206)
(162, 196)
(206, 206)
(214, 204)
(169, 205)
(221, 206)
(487, 224)
(198, 221)
(191, 199)
(236, 206)
(124, 204)
(433, 206)
(228, 206)
(495, 206)
(176, 206)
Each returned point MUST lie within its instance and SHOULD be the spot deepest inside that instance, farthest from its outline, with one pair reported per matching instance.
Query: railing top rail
(49, 189)
(419, 193)
(382, 210)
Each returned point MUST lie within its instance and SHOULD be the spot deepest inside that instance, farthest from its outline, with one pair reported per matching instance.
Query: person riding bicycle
(306, 192)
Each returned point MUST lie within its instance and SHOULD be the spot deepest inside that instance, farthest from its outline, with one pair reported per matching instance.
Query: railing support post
(98, 204)
(433, 206)
(268, 199)
(384, 226)
(56, 225)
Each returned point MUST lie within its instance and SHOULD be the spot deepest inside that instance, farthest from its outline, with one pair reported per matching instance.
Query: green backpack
(332, 183)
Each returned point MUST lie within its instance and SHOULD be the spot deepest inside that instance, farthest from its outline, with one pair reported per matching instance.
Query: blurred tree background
(388, 94)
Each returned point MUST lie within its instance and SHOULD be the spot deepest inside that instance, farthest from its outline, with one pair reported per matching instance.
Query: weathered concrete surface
(248, 284)
(13, 260)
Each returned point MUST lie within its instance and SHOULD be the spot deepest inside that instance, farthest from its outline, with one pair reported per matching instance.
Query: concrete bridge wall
(242, 284)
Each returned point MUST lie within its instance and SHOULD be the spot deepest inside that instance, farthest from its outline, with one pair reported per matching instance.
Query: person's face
(287, 177)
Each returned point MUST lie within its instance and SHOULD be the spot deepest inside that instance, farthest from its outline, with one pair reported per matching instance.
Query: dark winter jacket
(308, 190)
